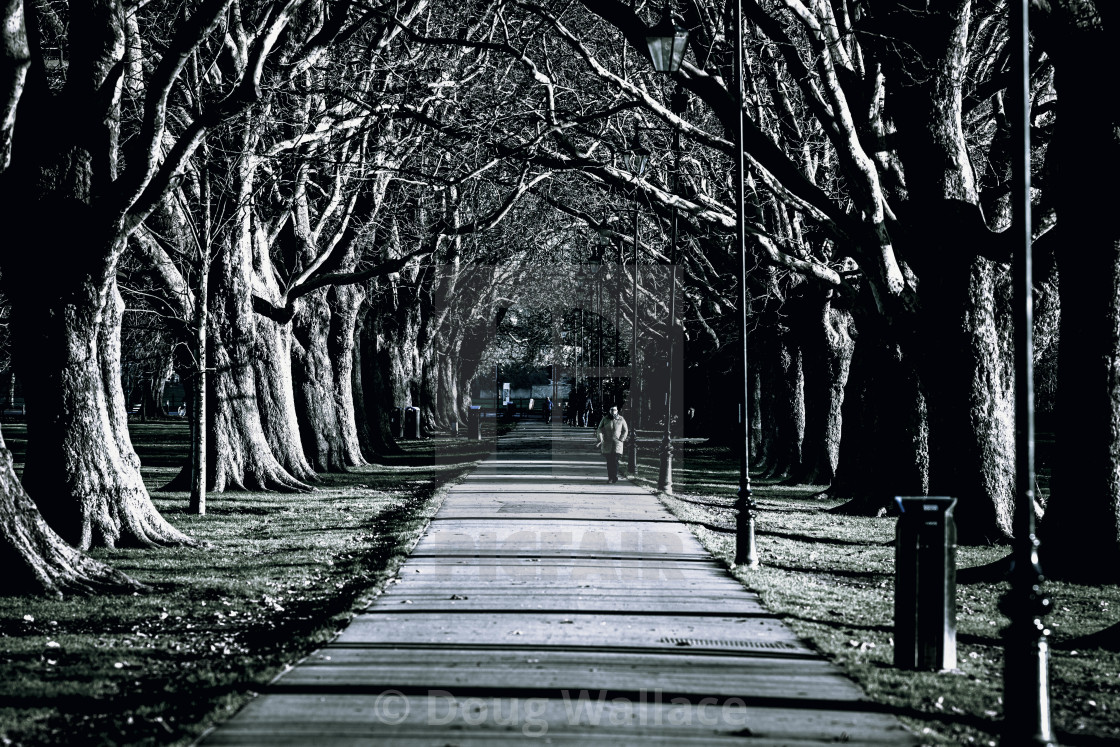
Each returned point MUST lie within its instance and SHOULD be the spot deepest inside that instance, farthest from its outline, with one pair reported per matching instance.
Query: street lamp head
(638, 157)
(667, 41)
(599, 250)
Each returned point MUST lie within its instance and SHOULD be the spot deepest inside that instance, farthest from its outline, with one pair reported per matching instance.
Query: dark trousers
(612, 466)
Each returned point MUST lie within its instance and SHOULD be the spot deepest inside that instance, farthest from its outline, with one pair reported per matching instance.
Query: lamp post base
(746, 553)
(665, 474)
(1026, 668)
(632, 459)
(1026, 695)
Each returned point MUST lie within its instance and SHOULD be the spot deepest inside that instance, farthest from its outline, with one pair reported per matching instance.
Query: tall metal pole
(665, 475)
(745, 551)
(617, 392)
(635, 391)
(1026, 679)
(599, 331)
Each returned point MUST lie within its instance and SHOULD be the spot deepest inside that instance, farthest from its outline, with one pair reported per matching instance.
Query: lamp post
(745, 551)
(636, 161)
(581, 374)
(597, 273)
(1026, 679)
(667, 42)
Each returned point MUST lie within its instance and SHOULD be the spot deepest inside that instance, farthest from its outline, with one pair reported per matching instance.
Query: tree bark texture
(272, 367)
(81, 462)
(960, 336)
(322, 359)
(240, 454)
(783, 402)
(884, 448)
(36, 560)
(345, 303)
(968, 379)
(376, 398)
(826, 354)
(1081, 528)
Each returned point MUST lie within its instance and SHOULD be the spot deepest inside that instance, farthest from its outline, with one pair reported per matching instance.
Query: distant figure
(585, 418)
(182, 410)
(546, 409)
(611, 434)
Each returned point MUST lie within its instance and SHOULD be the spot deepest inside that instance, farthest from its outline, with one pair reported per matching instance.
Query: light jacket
(611, 434)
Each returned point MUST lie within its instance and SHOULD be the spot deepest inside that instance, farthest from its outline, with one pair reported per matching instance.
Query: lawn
(280, 575)
(283, 573)
(831, 576)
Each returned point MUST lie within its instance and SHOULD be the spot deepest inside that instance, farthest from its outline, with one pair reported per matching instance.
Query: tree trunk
(199, 411)
(35, 559)
(153, 387)
(81, 462)
(362, 410)
(960, 337)
(430, 409)
(883, 445)
(783, 403)
(451, 403)
(315, 385)
(345, 303)
(276, 397)
(377, 391)
(827, 347)
(755, 440)
(1083, 511)
(968, 379)
(272, 366)
(240, 454)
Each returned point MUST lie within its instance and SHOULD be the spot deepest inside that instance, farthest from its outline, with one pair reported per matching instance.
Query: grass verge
(832, 578)
(283, 573)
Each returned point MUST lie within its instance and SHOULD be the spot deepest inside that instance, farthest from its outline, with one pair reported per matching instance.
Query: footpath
(546, 606)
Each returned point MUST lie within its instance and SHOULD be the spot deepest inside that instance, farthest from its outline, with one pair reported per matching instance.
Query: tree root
(36, 560)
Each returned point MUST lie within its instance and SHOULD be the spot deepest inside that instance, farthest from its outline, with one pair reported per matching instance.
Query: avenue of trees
(318, 212)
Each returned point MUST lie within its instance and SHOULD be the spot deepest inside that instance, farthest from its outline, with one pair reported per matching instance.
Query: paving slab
(544, 605)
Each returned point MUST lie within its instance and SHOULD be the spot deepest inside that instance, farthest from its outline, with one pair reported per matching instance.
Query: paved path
(545, 606)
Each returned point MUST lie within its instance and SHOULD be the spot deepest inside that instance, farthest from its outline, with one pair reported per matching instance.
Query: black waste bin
(474, 423)
(925, 589)
(412, 422)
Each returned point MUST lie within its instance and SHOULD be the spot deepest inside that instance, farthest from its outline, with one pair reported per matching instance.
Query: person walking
(611, 434)
(546, 409)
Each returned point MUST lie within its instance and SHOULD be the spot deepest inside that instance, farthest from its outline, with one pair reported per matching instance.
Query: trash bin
(412, 422)
(925, 589)
(474, 423)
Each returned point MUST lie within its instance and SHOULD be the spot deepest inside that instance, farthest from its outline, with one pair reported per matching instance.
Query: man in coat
(610, 434)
